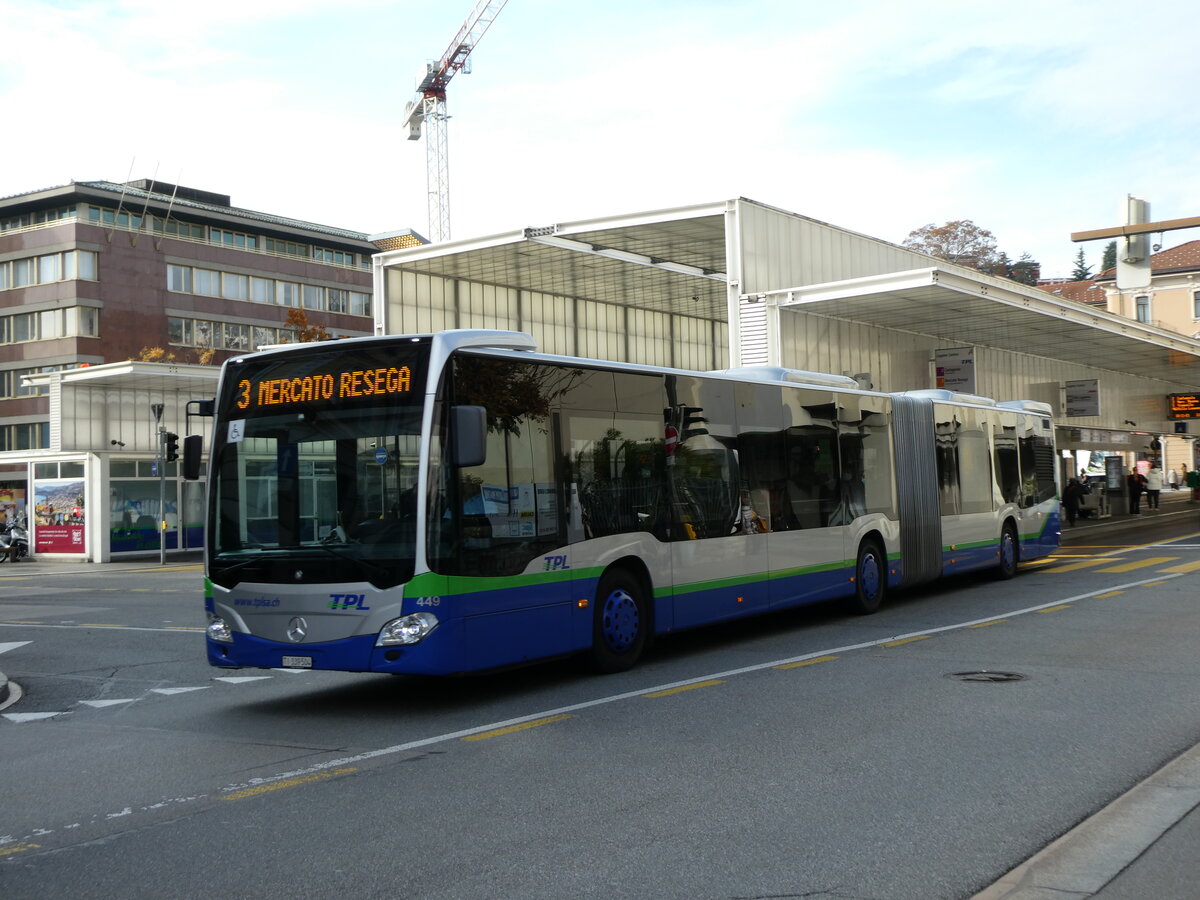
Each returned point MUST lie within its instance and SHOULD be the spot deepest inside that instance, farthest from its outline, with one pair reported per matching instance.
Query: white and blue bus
(453, 502)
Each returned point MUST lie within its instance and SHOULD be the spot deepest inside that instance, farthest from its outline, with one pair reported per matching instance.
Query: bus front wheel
(620, 622)
(870, 578)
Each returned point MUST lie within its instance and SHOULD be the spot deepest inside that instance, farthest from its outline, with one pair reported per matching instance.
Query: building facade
(95, 273)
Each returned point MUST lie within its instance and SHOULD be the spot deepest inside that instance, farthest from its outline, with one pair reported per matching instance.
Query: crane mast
(428, 109)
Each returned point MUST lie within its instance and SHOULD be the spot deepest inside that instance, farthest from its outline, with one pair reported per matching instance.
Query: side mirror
(193, 446)
(468, 435)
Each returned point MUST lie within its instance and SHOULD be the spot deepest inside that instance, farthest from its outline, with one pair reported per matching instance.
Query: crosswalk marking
(1140, 564)
(1184, 568)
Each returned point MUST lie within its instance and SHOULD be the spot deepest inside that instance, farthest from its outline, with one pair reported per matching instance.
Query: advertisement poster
(12, 503)
(58, 516)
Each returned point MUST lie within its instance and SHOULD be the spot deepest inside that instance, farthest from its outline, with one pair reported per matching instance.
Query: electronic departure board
(1184, 406)
(324, 378)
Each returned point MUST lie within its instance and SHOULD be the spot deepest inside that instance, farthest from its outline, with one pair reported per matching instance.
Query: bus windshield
(315, 464)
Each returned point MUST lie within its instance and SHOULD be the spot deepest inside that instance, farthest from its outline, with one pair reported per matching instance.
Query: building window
(206, 282)
(22, 272)
(1143, 308)
(1196, 304)
(179, 278)
(235, 287)
(237, 337)
(313, 297)
(262, 290)
(26, 436)
(360, 303)
(234, 239)
(287, 293)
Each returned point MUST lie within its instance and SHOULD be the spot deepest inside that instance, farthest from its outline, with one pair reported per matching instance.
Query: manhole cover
(987, 677)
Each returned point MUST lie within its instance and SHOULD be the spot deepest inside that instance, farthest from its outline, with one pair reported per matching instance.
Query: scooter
(14, 543)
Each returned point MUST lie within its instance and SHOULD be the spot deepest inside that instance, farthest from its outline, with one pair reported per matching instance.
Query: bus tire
(1009, 553)
(620, 621)
(870, 578)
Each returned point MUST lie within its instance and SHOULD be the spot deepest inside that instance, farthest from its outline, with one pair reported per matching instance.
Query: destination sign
(1184, 406)
(305, 389)
(326, 379)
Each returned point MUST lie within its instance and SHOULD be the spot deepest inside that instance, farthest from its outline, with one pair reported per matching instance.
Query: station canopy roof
(676, 261)
(138, 376)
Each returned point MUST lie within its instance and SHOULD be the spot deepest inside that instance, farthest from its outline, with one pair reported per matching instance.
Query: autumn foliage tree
(961, 241)
(966, 244)
(306, 332)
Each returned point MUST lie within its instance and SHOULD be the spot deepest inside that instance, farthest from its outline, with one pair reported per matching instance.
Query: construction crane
(429, 107)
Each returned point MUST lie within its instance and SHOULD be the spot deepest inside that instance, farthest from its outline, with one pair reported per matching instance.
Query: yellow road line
(807, 662)
(687, 687)
(1061, 606)
(497, 732)
(1082, 564)
(1111, 594)
(1183, 568)
(18, 848)
(285, 783)
(1140, 564)
(907, 640)
(987, 624)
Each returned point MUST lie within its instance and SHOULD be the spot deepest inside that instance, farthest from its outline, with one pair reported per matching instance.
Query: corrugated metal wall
(567, 325)
(782, 250)
(903, 361)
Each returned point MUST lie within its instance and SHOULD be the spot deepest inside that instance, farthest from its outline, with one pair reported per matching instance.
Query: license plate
(297, 662)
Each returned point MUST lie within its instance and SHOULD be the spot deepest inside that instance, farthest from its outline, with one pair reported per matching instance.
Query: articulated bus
(454, 502)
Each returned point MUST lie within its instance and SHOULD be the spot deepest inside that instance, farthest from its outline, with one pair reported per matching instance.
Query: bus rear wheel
(620, 622)
(1009, 553)
(870, 578)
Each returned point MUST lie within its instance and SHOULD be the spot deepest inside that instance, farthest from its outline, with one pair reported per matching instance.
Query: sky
(1031, 119)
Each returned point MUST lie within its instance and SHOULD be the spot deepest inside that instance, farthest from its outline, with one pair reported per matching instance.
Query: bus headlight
(218, 630)
(407, 629)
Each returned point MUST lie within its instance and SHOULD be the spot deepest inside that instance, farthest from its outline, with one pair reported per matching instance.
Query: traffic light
(170, 446)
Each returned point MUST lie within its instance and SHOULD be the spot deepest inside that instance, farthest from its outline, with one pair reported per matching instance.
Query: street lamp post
(157, 409)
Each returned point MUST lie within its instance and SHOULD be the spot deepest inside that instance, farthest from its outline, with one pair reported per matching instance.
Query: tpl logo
(556, 563)
(348, 601)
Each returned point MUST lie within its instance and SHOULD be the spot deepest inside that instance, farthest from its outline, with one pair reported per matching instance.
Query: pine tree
(1082, 271)
(1110, 257)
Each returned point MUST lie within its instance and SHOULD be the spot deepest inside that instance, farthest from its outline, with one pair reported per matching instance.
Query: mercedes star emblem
(297, 629)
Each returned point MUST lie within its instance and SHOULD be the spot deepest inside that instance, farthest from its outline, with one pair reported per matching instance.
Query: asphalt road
(803, 754)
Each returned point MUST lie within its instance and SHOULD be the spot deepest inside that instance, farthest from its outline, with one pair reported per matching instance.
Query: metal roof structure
(688, 260)
(138, 376)
(976, 309)
(659, 260)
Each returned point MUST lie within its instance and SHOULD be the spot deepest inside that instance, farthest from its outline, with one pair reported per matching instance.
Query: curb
(1081, 862)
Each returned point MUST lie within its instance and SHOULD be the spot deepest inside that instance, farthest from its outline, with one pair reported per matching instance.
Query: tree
(1025, 270)
(961, 241)
(155, 354)
(1082, 271)
(1110, 257)
(306, 332)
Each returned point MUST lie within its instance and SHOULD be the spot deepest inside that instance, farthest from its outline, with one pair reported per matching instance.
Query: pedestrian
(1071, 496)
(1193, 481)
(1134, 480)
(1154, 483)
(1173, 480)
